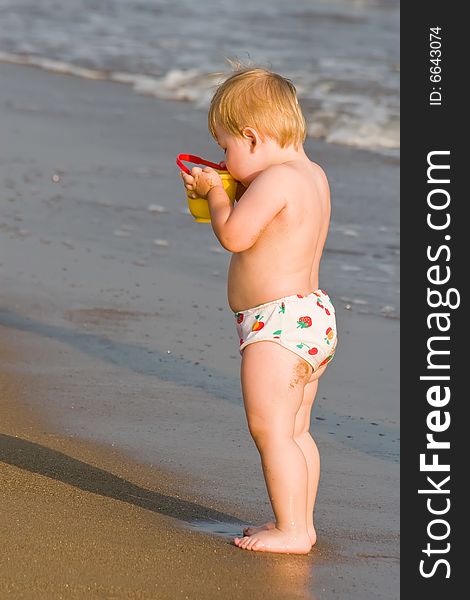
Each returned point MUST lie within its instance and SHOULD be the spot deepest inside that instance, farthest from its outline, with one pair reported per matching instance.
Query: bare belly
(248, 288)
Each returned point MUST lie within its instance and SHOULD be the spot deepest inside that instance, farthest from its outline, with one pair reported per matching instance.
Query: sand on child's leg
(273, 381)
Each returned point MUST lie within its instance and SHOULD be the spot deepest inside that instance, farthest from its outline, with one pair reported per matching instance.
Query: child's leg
(309, 448)
(273, 381)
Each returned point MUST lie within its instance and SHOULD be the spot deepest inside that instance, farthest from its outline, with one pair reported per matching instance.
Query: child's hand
(201, 181)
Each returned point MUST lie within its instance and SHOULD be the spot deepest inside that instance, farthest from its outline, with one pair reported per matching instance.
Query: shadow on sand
(51, 463)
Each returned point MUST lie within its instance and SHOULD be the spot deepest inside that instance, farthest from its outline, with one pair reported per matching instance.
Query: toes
(245, 541)
(251, 543)
(258, 544)
(248, 543)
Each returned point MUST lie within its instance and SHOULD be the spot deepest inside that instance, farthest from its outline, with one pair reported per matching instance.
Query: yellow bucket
(199, 207)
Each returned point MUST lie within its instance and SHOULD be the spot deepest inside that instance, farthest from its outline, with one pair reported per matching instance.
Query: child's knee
(269, 433)
(259, 429)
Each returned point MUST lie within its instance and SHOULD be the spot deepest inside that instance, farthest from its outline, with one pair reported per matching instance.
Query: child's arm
(239, 228)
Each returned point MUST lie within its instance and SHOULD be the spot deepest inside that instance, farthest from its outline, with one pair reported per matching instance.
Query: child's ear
(252, 136)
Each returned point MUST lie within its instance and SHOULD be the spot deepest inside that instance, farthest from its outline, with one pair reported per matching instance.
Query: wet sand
(122, 427)
(82, 520)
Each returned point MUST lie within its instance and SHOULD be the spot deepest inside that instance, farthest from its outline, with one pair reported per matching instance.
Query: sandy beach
(125, 463)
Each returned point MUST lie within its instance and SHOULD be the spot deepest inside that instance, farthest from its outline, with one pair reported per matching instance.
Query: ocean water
(342, 55)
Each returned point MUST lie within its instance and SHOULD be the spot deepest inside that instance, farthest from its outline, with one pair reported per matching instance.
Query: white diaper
(306, 325)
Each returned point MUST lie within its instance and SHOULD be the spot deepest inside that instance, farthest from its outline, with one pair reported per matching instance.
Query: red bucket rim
(196, 160)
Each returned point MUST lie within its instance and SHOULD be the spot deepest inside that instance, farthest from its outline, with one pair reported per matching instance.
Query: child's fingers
(187, 179)
(189, 183)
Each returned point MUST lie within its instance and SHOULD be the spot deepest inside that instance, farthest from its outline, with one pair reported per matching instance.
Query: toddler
(276, 231)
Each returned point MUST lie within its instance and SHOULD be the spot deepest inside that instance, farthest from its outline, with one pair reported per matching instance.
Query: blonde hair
(258, 98)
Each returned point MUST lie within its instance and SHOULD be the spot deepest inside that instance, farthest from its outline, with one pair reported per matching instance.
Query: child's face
(241, 161)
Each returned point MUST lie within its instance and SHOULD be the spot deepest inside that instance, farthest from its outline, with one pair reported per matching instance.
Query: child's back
(285, 258)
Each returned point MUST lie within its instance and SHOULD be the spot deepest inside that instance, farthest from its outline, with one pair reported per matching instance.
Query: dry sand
(125, 464)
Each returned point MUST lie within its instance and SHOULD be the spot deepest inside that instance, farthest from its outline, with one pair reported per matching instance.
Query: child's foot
(248, 531)
(274, 540)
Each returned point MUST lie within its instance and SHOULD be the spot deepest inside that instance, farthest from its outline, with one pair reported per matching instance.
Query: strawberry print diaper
(306, 325)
